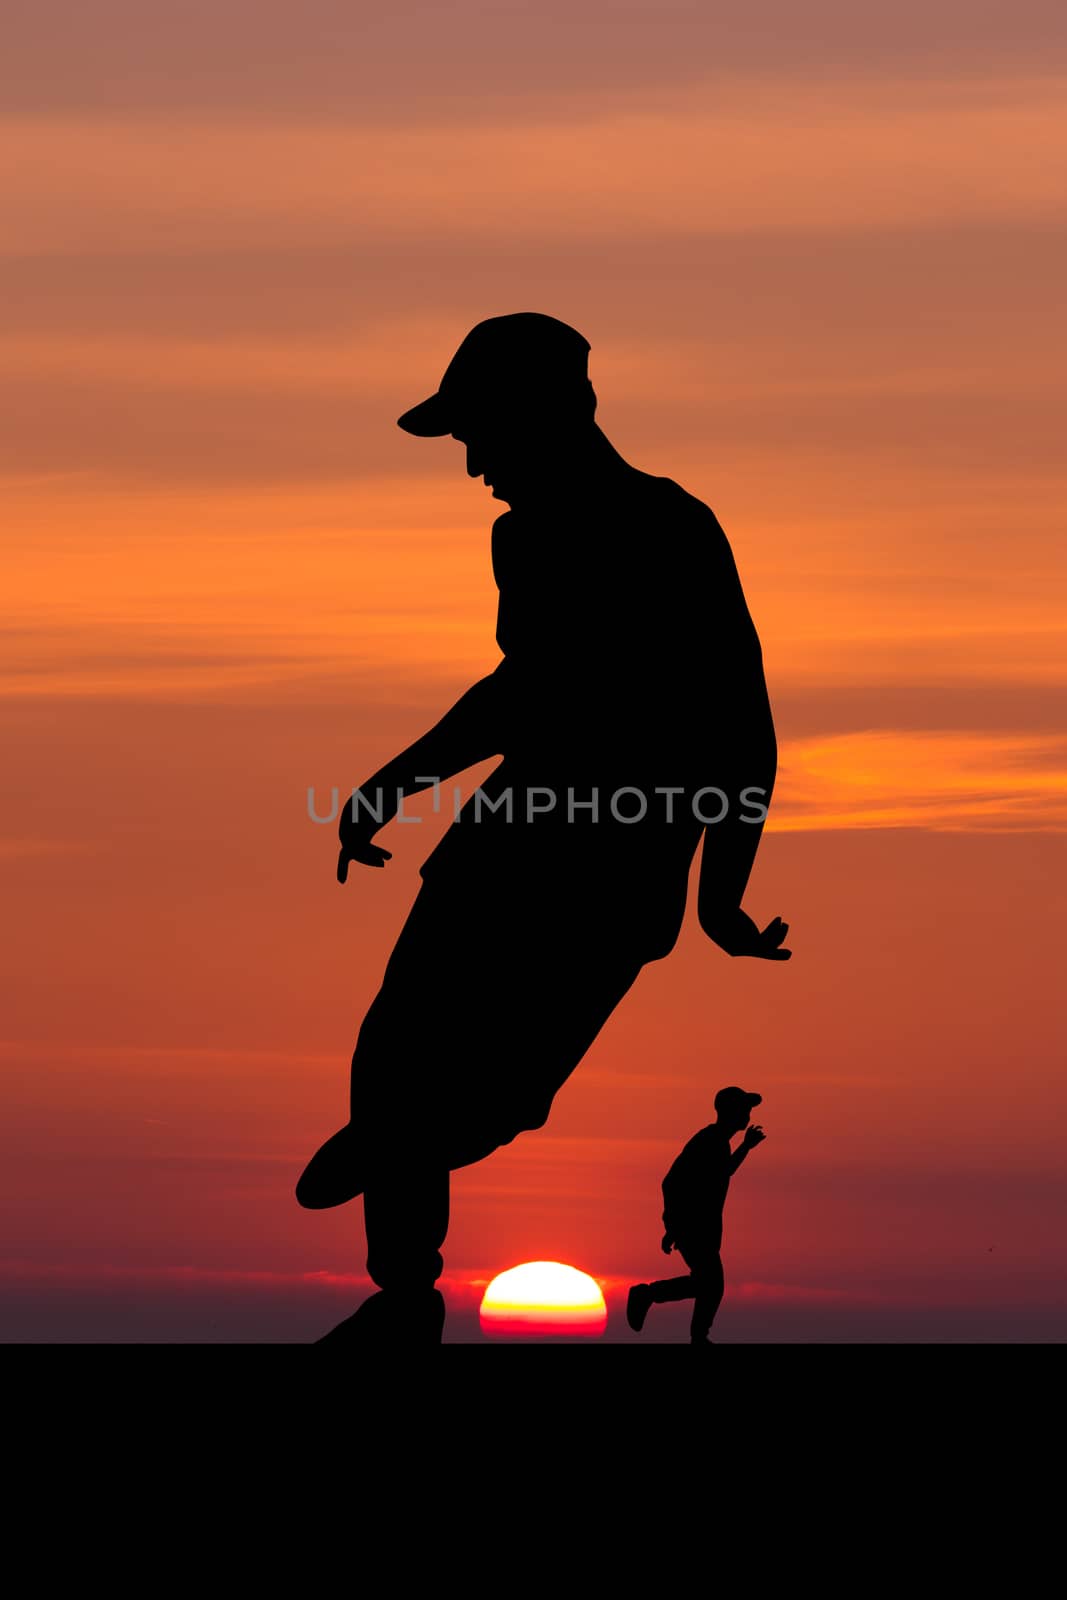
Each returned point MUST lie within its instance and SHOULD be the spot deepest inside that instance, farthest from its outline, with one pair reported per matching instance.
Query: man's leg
(406, 1213)
(395, 1031)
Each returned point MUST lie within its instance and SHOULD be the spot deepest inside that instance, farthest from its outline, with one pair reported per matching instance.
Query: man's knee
(396, 1264)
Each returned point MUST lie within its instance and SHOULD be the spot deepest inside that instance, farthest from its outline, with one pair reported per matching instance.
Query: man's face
(526, 449)
(504, 452)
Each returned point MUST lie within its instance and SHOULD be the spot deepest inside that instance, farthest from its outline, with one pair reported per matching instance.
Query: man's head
(734, 1107)
(517, 394)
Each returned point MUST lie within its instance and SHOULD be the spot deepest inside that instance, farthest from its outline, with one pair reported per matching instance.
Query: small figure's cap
(522, 356)
(736, 1099)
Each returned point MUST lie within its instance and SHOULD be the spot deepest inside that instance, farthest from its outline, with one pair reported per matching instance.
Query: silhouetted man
(629, 705)
(694, 1193)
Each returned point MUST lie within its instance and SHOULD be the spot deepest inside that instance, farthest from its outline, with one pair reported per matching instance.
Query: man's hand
(667, 1244)
(356, 837)
(753, 1136)
(737, 934)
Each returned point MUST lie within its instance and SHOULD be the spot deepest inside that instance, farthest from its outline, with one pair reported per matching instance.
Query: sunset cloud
(939, 779)
(761, 155)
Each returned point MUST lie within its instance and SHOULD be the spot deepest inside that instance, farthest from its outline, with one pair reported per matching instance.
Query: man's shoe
(393, 1319)
(637, 1303)
(334, 1174)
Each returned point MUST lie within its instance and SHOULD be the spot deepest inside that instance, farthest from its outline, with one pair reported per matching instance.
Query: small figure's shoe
(637, 1303)
(334, 1174)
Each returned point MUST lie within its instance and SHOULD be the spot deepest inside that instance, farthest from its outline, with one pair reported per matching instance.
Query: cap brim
(429, 420)
(754, 1099)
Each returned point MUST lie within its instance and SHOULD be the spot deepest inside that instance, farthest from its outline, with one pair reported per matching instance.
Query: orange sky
(821, 273)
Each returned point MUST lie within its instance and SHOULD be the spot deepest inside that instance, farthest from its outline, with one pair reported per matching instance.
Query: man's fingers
(771, 940)
(374, 856)
(765, 950)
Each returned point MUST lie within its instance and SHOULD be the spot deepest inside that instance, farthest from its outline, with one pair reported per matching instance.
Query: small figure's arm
(753, 1136)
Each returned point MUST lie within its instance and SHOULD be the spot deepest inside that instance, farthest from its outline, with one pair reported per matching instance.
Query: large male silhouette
(632, 716)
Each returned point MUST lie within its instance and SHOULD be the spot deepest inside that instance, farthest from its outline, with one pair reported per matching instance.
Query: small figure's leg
(710, 1284)
(668, 1289)
(644, 1295)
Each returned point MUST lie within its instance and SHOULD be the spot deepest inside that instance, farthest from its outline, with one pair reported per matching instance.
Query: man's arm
(731, 716)
(727, 857)
(470, 732)
(749, 768)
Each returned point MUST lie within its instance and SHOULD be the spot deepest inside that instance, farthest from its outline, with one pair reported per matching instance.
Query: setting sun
(543, 1297)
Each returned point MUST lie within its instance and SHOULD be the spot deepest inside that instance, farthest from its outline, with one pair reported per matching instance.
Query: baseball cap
(524, 356)
(734, 1097)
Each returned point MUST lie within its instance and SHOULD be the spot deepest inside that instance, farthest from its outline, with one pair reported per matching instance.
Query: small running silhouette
(694, 1193)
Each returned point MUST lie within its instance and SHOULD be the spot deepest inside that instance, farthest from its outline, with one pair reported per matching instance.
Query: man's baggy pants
(486, 1007)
